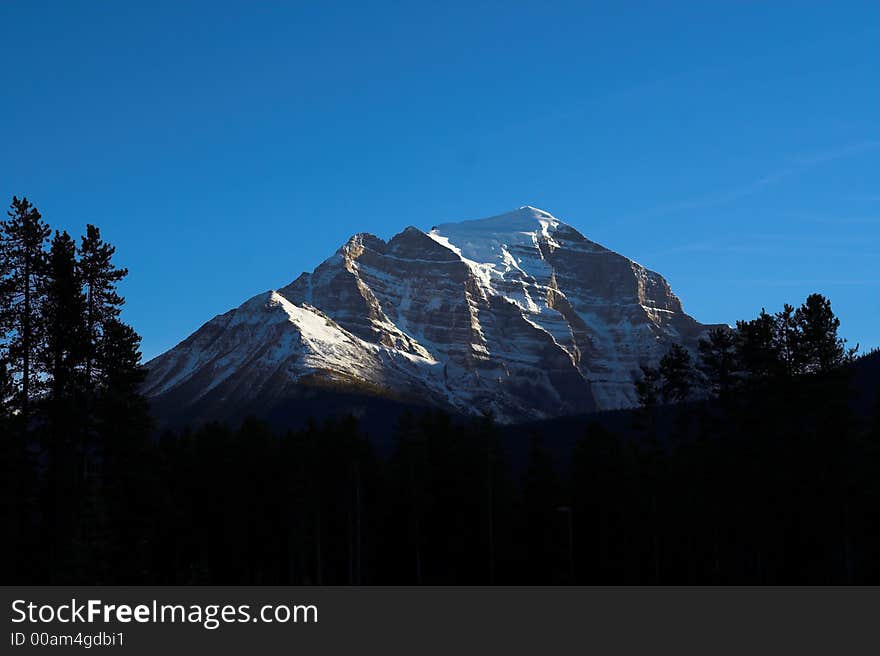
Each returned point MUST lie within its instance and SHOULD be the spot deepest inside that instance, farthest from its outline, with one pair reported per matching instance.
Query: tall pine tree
(677, 374)
(718, 360)
(820, 349)
(60, 355)
(64, 343)
(787, 340)
(99, 277)
(23, 235)
(758, 348)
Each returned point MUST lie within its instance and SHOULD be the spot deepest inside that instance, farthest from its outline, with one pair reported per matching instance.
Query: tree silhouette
(676, 374)
(23, 236)
(820, 350)
(63, 348)
(758, 348)
(718, 360)
(99, 277)
(787, 340)
(648, 386)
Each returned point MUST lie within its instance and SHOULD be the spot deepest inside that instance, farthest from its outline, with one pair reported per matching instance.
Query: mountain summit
(518, 314)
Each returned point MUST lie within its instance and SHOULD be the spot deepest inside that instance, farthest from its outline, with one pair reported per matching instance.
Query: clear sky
(226, 147)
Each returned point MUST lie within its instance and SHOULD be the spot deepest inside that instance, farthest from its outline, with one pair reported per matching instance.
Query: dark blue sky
(226, 147)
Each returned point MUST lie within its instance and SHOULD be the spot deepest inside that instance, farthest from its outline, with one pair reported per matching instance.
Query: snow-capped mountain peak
(518, 314)
(513, 225)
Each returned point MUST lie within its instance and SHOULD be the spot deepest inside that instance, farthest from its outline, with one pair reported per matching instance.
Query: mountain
(517, 314)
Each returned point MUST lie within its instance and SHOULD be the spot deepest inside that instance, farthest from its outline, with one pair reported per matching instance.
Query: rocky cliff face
(518, 314)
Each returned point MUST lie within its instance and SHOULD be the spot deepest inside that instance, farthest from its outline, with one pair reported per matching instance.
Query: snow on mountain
(518, 314)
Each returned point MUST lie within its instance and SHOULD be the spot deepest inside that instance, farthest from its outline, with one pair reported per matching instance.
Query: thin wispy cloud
(776, 245)
(799, 166)
(799, 282)
(840, 153)
(833, 219)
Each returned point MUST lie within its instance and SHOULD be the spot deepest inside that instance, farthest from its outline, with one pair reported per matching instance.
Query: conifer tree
(757, 348)
(118, 358)
(647, 387)
(122, 428)
(787, 340)
(718, 360)
(60, 355)
(820, 349)
(118, 414)
(100, 277)
(23, 235)
(64, 344)
(677, 374)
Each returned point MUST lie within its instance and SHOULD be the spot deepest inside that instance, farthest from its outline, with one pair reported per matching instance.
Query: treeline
(746, 463)
(773, 485)
(764, 469)
(770, 351)
(74, 427)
